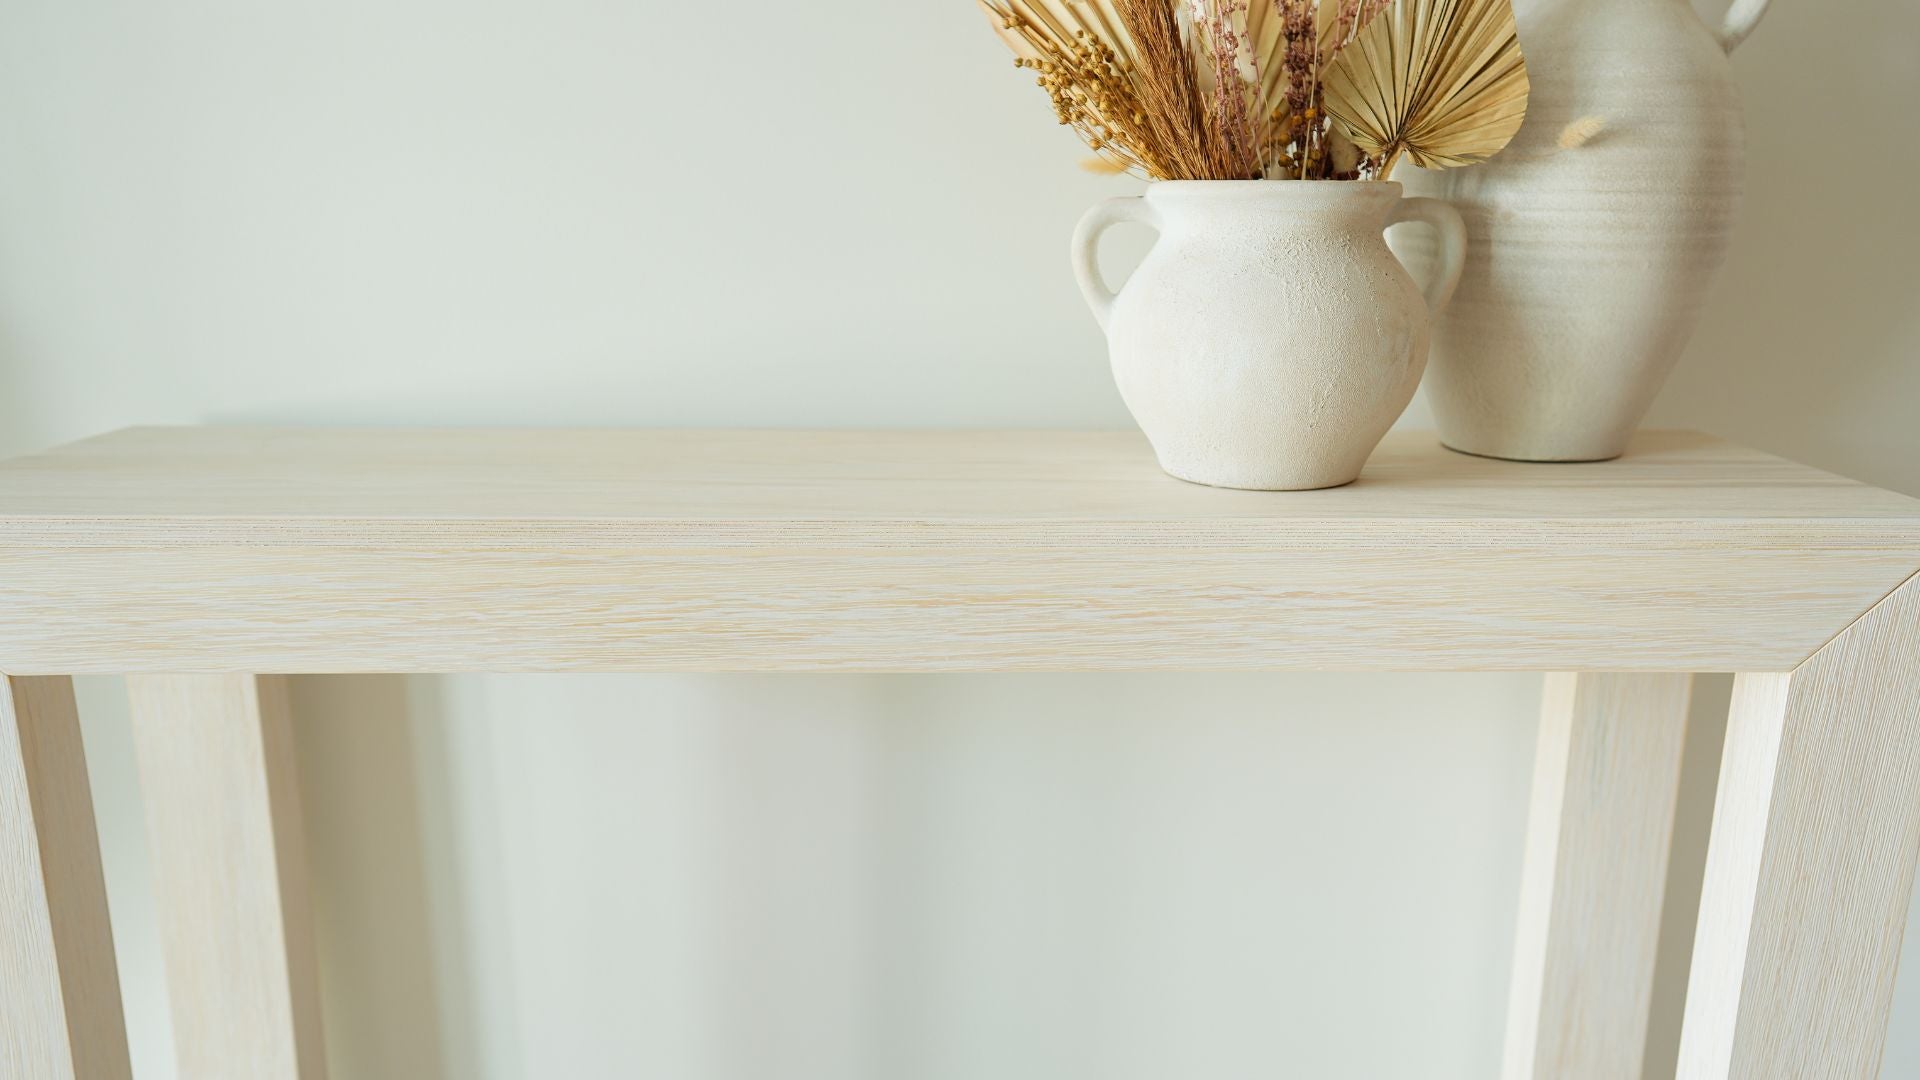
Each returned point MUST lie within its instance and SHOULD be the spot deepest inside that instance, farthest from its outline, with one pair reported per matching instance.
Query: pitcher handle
(1086, 248)
(1453, 244)
(1742, 17)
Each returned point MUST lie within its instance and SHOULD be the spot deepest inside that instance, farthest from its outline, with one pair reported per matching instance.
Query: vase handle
(1086, 248)
(1453, 244)
(1742, 17)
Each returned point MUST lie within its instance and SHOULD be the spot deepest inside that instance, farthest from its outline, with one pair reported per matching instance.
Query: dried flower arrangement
(1274, 89)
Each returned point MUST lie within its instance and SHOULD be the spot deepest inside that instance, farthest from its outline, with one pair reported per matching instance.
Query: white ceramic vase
(1270, 338)
(1595, 235)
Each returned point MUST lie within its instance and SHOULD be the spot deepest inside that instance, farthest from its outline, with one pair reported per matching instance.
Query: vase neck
(1271, 206)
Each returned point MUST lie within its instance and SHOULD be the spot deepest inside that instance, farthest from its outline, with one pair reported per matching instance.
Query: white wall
(423, 211)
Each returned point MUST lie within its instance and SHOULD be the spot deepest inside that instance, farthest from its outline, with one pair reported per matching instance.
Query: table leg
(60, 1013)
(223, 816)
(1815, 833)
(1606, 777)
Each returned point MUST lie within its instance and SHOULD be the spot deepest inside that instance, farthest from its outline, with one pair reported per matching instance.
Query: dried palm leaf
(1342, 20)
(1441, 81)
(1262, 44)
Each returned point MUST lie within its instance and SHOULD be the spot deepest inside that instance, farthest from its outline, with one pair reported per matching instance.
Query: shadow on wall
(828, 876)
(1686, 870)
(369, 747)
(567, 875)
(1808, 348)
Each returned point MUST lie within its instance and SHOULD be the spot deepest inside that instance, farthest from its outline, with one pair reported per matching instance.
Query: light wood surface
(1816, 831)
(216, 549)
(241, 550)
(1606, 777)
(223, 817)
(60, 1015)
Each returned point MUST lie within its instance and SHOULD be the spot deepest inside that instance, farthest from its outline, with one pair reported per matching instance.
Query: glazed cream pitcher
(1596, 233)
(1269, 339)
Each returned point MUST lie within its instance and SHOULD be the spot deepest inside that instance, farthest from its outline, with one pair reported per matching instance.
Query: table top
(295, 550)
(316, 475)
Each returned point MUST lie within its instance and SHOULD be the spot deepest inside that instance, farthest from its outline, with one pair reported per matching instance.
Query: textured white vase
(1591, 262)
(1270, 338)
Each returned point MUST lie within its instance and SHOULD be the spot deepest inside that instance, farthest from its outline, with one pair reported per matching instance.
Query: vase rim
(1330, 190)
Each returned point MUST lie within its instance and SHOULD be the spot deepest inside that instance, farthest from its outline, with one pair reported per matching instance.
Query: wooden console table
(228, 553)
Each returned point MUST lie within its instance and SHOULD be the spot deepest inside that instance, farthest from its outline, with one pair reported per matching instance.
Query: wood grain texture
(1606, 778)
(1815, 834)
(338, 551)
(60, 1016)
(223, 816)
